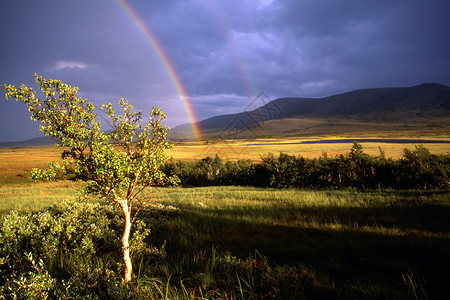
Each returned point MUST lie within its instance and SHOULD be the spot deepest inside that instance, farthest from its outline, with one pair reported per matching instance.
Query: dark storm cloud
(310, 48)
(225, 52)
(362, 44)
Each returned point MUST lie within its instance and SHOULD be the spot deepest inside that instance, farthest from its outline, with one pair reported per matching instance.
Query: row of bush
(416, 169)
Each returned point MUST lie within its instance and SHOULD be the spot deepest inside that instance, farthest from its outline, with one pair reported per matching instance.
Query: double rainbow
(167, 64)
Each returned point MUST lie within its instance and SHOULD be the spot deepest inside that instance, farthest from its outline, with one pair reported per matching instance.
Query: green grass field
(350, 244)
(359, 244)
(361, 241)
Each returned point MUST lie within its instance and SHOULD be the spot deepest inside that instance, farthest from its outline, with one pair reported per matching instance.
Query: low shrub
(57, 248)
(417, 169)
(70, 251)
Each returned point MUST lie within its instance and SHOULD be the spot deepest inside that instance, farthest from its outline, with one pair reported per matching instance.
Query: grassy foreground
(251, 243)
(235, 242)
(360, 244)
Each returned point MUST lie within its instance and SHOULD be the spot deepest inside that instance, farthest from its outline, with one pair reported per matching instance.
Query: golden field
(235, 150)
(16, 162)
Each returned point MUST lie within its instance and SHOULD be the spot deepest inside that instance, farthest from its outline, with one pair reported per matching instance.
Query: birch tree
(117, 164)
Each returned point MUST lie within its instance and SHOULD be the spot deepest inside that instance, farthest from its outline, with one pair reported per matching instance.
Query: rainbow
(162, 56)
(240, 66)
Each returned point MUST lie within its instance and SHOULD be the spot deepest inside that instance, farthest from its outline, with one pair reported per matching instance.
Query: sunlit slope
(424, 108)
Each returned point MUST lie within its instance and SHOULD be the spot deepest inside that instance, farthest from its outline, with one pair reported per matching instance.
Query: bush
(421, 169)
(69, 252)
(417, 169)
(66, 251)
(43, 250)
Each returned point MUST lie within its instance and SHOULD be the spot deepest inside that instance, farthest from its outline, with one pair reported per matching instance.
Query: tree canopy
(117, 164)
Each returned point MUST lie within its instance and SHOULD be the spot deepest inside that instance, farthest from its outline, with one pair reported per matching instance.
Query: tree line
(416, 169)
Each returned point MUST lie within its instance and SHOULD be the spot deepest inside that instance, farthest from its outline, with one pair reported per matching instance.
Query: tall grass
(364, 242)
(36, 196)
(252, 243)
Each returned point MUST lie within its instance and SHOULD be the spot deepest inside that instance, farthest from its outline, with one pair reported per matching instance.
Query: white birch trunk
(126, 241)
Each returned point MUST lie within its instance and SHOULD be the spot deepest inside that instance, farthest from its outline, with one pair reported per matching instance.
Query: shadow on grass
(356, 248)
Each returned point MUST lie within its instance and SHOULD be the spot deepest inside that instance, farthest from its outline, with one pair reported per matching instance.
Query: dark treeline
(416, 169)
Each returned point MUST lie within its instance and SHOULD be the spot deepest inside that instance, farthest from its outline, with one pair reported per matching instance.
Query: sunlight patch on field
(240, 149)
(16, 163)
(36, 196)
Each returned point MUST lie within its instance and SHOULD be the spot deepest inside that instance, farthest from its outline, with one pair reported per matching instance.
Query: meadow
(279, 243)
(233, 242)
(233, 150)
(16, 162)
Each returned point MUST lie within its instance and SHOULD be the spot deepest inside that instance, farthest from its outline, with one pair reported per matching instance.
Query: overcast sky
(224, 52)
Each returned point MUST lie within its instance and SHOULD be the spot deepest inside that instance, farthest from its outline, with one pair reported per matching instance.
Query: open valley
(335, 244)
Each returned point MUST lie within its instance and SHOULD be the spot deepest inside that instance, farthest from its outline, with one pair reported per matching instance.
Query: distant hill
(39, 141)
(426, 106)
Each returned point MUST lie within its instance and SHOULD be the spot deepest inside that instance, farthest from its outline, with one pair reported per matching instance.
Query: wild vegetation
(16, 162)
(234, 243)
(417, 169)
(113, 166)
(343, 226)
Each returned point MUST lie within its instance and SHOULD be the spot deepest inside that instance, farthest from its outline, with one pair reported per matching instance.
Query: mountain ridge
(427, 102)
(424, 106)
(37, 141)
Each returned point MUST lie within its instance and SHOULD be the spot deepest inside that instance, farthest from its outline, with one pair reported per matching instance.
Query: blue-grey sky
(224, 52)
